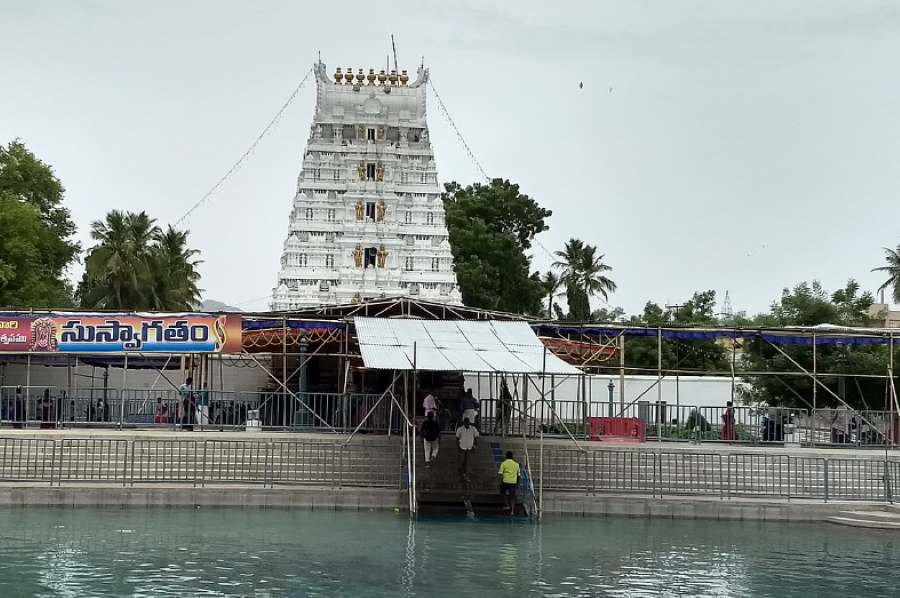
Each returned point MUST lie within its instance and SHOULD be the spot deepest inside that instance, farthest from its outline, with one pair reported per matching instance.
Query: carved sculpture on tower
(356, 124)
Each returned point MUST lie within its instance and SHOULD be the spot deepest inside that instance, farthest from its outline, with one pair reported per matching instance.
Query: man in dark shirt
(431, 436)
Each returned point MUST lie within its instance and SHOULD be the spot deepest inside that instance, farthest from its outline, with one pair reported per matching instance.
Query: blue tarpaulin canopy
(825, 335)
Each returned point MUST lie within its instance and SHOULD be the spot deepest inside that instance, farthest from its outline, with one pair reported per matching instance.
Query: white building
(367, 220)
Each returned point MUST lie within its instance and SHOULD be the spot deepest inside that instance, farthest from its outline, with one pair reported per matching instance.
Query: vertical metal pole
(815, 384)
(284, 370)
(411, 415)
(27, 393)
(733, 360)
(677, 402)
(659, 407)
(122, 394)
(585, 408)
(622, 374)
(541, 490)
(893, 427)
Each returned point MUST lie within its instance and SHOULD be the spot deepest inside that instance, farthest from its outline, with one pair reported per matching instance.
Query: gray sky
(745, 145)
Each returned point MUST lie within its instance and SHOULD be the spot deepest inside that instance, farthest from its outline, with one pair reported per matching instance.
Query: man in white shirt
(466, 435)
(430, 405)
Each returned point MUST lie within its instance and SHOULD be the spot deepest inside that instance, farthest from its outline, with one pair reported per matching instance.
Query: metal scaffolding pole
(284, 369)
(24, 415)
(543, 400)
(815, 385)
(894, 414)
(621, 375)
(122, 393)
(410, 409)
(659, 406)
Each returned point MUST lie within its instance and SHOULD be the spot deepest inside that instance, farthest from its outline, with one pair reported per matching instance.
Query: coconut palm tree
(569, 260)
(584, 270)
(117, 268)
(175, 274)
(591, 274)
(551, 283)
(892, 257)
(134, 265)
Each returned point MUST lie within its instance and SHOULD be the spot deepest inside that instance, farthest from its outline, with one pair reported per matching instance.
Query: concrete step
(873, 514)
(866, 522)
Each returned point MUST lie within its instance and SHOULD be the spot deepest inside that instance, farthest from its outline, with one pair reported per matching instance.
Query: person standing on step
(469, 406)
(430, 405)
(186, 393)
(509, 479)
(466, 435)
(431, 436)
(504, 409)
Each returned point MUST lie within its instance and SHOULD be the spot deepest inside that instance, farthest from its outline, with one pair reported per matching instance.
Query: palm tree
(583, 269)
(175, 274)
(117, 268)
(591, 270)
(134, 265)
(892, 268)
(569, 260)
(551, 283)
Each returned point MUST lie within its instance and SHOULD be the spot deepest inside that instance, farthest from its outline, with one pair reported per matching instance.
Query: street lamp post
(611, 387)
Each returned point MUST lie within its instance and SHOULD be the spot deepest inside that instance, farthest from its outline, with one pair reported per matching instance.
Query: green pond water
(83, 552)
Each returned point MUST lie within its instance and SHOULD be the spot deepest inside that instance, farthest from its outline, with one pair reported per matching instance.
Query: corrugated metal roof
(451, 345)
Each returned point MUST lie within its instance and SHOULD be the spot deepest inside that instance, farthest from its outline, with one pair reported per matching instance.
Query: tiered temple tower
(367, 220)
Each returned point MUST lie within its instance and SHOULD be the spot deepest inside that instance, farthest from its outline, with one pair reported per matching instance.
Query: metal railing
(724, 475)
(198, 462)
(53, 407)
(56, 407)
(734, 425)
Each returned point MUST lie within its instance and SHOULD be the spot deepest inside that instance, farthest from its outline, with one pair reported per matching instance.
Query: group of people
(469, 407)
(467, 438)
(192, 407)
(17, 412)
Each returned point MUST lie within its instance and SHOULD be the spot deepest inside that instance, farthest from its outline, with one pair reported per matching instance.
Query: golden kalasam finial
(403, 78)
(393, 77)
(338, 76)
(360, 76)
(348, 76)
(382, 77)
(371, 77)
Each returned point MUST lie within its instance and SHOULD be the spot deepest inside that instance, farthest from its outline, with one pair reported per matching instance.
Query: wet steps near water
(888, 519)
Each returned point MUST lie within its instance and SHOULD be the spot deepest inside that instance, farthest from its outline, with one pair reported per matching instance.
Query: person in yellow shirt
(509, 479)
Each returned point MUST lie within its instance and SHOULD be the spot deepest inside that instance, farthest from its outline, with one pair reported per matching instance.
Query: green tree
(582, 271)
(696, 355)
(491, 228)
(892, 269)
(134, 266)
(810, 305)
(36, 245)
(175, 272)
(551, 283)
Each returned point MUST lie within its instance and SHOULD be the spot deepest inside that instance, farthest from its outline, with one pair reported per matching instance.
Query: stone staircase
(442, 487)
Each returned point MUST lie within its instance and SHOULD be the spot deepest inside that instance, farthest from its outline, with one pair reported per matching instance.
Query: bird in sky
(581, 85)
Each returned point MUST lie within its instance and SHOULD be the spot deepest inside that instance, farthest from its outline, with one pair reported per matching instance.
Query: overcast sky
(727, 145)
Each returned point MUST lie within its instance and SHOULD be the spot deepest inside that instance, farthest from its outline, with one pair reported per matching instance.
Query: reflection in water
(234, 552)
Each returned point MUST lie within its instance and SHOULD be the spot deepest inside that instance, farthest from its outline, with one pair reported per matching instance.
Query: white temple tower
(367, 220)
